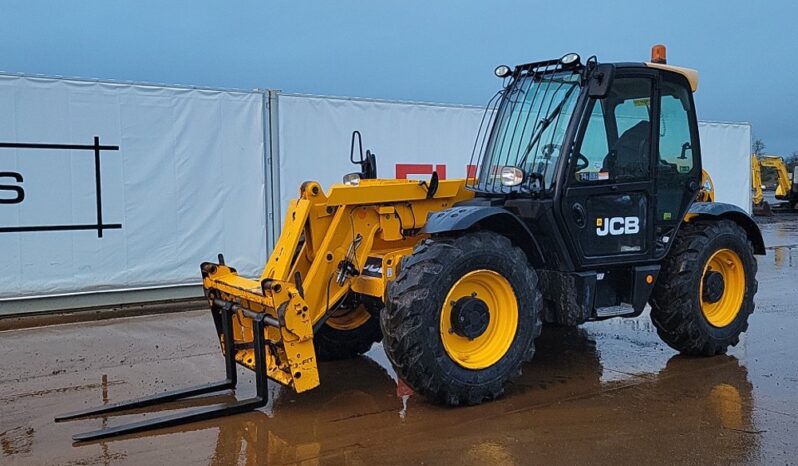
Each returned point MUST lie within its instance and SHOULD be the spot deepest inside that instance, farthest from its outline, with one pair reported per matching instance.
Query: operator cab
(613, 147)
(600, 161)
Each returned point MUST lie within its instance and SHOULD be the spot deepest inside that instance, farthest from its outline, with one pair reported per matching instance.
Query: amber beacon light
(658, 54)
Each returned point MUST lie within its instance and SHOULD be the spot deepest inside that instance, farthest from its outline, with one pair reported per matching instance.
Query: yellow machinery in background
(786, 187)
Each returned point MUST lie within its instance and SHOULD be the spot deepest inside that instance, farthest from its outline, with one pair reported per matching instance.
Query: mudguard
(732, 212)
(502, 221)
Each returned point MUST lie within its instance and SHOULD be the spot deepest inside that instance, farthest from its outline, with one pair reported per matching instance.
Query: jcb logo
(617, 226)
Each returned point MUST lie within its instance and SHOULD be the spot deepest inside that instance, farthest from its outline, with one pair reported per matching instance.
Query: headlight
(512, 176)
(352, 179)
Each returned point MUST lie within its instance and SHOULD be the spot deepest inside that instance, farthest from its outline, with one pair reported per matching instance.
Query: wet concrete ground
(606, 392)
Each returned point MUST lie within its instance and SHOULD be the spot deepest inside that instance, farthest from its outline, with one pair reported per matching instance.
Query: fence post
(98, 187)
(274, 158)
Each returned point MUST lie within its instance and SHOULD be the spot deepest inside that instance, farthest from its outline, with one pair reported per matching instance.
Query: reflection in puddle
(404, 392)
(492, 453)
(352, 419)
(785, 256)
(250, 442)
(403, 411)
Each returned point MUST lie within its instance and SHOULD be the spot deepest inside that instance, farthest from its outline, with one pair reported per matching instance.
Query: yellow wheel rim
(724, 310)
(349, 319)
(491, 345)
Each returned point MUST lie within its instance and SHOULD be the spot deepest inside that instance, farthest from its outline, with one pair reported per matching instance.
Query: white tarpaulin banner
(413, 139)
(183, 176)
(410, 139)
(726, 155)
(186, 182)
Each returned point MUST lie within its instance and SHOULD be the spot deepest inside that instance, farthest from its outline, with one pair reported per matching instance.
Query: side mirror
(369, 165)
(356, 136)
(367, 162)
(600, 81)
(685, 147)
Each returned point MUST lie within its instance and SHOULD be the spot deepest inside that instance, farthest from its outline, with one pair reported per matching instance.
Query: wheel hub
(714, 286)
(470, 317)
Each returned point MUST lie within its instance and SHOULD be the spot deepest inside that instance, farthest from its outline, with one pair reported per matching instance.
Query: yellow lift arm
(325, 240)
(756, 181)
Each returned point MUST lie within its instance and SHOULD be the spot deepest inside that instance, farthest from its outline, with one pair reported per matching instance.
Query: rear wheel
(350, 331)
(705, 292)
(461, 317)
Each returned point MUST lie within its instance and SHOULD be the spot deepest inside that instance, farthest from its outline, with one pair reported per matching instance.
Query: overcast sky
(441, 51)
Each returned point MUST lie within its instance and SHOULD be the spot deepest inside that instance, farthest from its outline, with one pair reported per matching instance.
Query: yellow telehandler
(587, 204)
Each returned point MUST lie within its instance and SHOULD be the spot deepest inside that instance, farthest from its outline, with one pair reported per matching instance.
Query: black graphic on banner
(12, 191)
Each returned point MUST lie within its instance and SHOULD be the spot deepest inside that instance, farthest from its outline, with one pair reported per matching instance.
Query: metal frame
(199, 414)
(274, 205)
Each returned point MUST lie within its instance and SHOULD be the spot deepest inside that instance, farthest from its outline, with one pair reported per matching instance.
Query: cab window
(675, 148)
(675, 159)
(615, 144)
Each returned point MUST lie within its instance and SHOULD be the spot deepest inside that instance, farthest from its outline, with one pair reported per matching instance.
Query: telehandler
(589, 201)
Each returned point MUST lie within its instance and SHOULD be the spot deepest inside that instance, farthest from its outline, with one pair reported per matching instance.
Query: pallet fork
(259, 400)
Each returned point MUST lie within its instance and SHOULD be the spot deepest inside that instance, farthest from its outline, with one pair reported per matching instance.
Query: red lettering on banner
(404, 169)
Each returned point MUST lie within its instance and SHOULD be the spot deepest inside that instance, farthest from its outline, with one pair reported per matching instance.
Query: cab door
(677, 170)
(608, 203)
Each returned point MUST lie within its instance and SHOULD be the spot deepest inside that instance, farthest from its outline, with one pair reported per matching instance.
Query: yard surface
(605, 392)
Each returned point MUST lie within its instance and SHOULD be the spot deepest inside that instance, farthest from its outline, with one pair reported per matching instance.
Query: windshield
(526, 131)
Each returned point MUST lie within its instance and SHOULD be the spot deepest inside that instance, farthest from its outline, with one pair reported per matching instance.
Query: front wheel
(705, 292)
(461, 317)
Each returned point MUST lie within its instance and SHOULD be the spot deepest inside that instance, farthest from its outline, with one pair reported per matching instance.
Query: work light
(352, 179)
(502, 71)
(512, 176)
(570, 59)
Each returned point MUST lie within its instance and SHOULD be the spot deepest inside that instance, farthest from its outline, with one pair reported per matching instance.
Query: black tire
(333, 344)
(676, 301)
(411, 319)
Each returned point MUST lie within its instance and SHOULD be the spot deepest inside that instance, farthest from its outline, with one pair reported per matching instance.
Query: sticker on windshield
(642, 102)
(593, 176)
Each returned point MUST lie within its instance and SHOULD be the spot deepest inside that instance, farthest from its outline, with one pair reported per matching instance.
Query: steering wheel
(581, 162)
(665, 163)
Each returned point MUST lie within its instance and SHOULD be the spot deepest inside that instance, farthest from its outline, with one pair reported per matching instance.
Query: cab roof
(689, 73)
